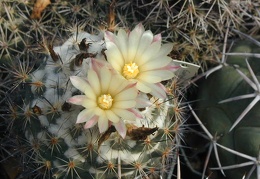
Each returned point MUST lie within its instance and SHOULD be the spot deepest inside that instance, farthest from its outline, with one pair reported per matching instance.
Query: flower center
(105, 101)
(130, 70)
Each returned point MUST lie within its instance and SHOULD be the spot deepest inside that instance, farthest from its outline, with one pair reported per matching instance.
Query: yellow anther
(130, 70)
(105, 101)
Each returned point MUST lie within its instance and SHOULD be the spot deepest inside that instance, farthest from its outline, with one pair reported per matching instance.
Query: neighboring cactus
(23, 32)
(196, 27)
(228, 107)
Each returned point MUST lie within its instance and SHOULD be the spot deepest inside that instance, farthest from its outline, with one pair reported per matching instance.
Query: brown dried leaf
(106, 135)
(139, 133)
(39, 6)
(134, 132)
(111, 18)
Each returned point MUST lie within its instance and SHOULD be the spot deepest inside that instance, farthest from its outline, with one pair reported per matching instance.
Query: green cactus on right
(228, 106)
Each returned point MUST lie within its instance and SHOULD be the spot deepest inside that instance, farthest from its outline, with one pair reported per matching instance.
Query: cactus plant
(43, 117)
(227, 110)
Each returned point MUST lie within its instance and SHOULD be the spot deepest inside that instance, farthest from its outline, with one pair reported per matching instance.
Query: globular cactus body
(228, 107)
(58, 147)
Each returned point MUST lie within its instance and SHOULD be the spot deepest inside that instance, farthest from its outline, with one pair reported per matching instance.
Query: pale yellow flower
(139, 56)
(108, 98)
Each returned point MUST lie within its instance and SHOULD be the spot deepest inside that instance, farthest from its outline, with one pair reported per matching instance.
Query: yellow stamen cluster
(105, 101)
(130, 70)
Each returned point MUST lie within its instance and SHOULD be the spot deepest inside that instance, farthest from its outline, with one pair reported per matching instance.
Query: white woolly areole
(57, 131)
(53, 98)
(51, 81)
(65, 121)
(57, 164)
(42, 136)
(69, 140)
(44, 121)
(82, 139)
(96, 44)
(37, 76)
(39, 103)
(131, 143)
(73, 153)
(155, 115)
(109, 154)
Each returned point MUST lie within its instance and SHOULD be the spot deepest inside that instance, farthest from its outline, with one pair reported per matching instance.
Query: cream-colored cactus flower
(139, 56)
(108, 99)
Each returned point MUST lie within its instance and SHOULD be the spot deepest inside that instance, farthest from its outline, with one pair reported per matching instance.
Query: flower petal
(139, 28)
(128, 94)
(156, 63)
(96, 64)
(102, 124)
(149, 53)
(99, 112)
(105, 78)
(124, 114)
(142, 101)
(112, 116)
(149, 77)
(158, 90)
(157, 37)
(109, 36)
(155, 76)
(78, 99)
(114, 56)
(143, 87)
(171, 67)
(146, 40)
(79, 83)
(136, 113)
(89, 103)
(94, 81)
(124, 104)
(83, 86)
(90, 123)
(133, 43)
(122, 42)
(121, 128)
(117, 84)
(85, 115)
(165, 49)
